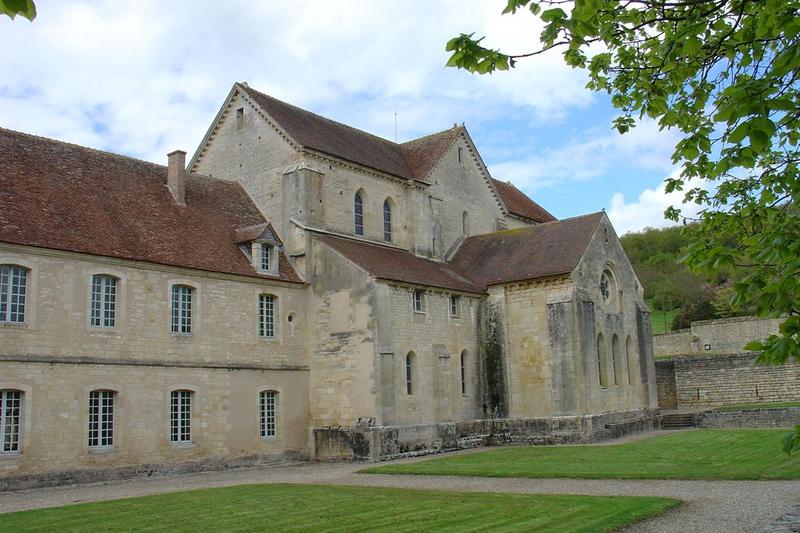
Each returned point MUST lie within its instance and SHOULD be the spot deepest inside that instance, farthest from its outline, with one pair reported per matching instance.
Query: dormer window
(266, 257)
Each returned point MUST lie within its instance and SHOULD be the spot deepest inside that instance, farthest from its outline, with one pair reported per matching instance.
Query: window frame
(387, 221)
(409, 373)
(463, 364)
(106, 305)
(182, 315)
(418, 301)
(14, 282)
(101, 419)
(268, 425)
(12, 438)
(358, 214)
(180, 416)
(263, 298)
(266, 251)
(454, 305)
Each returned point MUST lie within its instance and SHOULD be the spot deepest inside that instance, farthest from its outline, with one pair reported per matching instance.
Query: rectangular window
(460, 156)
(419, 301)
(101, 419)
(268, 417)
(239, 118)
(455, 306)
(266, 255)
(104, 301)
(181, 309)
(10, 409)
(266, 316)
(13, 280)
(180, 416)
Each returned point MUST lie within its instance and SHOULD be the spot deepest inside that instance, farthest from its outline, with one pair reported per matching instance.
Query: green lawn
(756, 406)
(701, 454)
(324, 508)
(661, 321)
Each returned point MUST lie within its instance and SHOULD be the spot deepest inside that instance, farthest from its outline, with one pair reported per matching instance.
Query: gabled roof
(66, 197)
(313, 131)
(393, 264)
(540, 251)
(425, 152)
(518, 203)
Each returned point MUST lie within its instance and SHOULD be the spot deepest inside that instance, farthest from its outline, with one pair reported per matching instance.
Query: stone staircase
(677, 421)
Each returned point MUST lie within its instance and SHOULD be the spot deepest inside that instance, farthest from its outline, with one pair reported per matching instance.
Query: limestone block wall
(344, 368)
(224, 415)
(667, 389)
(625, 364)
(462, 188)
(224, 314)
(437, 341)
(722, 336)
(727, 379)
(256, 154)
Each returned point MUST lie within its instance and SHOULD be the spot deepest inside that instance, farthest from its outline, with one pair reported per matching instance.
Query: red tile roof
(383, 262)
(334, 138)
(540, 251)
(425, 152)
(518, 203)
(67, 197)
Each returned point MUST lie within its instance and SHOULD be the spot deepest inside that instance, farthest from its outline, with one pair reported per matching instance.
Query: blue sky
(143, 79)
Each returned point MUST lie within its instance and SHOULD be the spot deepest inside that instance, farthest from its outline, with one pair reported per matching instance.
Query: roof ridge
(535, 226)
(317, 115)
(82, 147)
(434, 134)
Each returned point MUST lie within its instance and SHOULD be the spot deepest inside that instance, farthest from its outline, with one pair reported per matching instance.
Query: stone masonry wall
(727, 379)
(724, 336)
(784, 417)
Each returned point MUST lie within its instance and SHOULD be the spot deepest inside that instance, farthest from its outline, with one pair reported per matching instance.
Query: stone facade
(723, 336)
(698, 381)
(386, 350)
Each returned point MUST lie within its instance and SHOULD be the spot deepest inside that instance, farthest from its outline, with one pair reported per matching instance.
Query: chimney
(176, 175)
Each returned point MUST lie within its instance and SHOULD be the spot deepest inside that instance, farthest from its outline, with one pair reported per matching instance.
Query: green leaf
(12, 8)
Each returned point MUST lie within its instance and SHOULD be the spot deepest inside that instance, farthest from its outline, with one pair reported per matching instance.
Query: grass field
(701, 454)
(661, 321)
(324, 508)
(756, 406)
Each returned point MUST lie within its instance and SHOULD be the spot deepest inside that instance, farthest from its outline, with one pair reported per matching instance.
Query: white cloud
(647, 211)
(591, 156)
(143, 79)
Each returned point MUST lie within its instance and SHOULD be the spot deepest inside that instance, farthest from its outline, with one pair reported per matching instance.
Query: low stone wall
(783, 417)
(714, 381)
(383, 443)
(723, 336)
(71, 477)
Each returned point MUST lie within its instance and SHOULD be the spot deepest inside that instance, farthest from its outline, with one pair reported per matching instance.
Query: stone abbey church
(299, 289)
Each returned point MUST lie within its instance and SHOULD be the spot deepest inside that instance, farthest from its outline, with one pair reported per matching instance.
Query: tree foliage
(12, 8)
(724, 73)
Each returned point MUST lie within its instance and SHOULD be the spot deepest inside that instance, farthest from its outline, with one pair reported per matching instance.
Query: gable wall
(256, 154)
(461, 187)
(635, 383)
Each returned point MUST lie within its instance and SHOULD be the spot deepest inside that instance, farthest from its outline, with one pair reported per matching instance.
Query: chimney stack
(176, 175)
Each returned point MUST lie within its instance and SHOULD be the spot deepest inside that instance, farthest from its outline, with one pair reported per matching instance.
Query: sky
(145, 78)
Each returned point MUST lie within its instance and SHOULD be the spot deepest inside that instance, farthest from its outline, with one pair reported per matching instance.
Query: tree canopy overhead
(724, 73)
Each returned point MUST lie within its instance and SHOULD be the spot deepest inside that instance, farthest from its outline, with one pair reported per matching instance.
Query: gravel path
(710, 506)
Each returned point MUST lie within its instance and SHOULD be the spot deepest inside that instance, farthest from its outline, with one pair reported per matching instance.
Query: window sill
(419, 312)
(14, 325)
(269, 339)
(183, 445)
(180, 335)
(105, 332)
(102, 450)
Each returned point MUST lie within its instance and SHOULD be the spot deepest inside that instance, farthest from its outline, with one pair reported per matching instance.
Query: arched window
(464, 224)
(464, 372)
(13, 282)
(615, 366)
(387, 221)
(101, 418)
(103, 313)
(602, 360)
(410, 373)
(630, 357)
(268, 409)
(180, 416)
(358, 210)
(10, 413)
